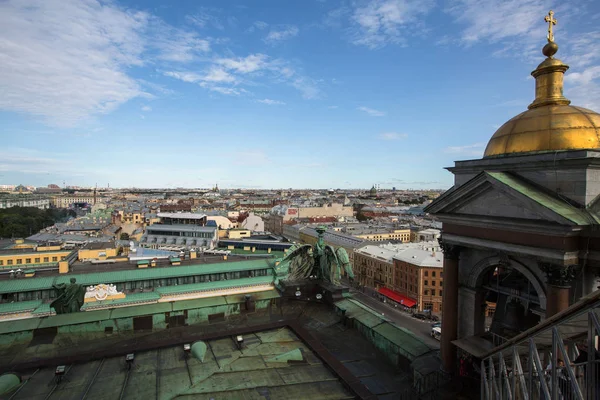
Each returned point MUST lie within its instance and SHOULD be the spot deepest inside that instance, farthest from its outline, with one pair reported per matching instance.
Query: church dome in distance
(550, 123)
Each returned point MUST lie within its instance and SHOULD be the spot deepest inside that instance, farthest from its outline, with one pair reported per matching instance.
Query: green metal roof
(142, 262)
(205, 286)
(406, 341)
(19, 325)
(408, 344)
(544, 199)
(145, 309)
(19, 306)
(361, 313)
(175, 259)
(198, 303)
(31, 284)
(68, 319)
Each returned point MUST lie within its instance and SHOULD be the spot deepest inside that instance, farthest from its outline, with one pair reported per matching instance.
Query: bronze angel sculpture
(320, 261)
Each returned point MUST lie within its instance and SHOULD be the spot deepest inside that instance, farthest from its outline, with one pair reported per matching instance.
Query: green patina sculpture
(320, 261)
(70, 297)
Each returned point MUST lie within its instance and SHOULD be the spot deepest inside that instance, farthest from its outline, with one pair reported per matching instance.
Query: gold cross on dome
(551, 21)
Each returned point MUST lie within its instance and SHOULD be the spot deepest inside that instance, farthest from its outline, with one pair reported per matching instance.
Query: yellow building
(239, 233)
(19, 258)
(97, 251)
(66, 201)
(400, 235)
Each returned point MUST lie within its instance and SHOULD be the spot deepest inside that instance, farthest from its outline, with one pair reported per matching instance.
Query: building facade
(419, 276)
(327, 210)
(67, 201)
(396, 235)
(374, 267)
(9, 201)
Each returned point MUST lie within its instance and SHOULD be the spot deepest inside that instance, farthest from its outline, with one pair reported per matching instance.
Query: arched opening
(511, 302)
(509, 299)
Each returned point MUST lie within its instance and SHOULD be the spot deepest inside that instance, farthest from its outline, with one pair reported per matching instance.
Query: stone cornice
(508, 224)
(544, 254)
(528, 162)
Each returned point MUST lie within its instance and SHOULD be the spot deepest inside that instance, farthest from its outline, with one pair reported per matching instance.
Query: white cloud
(393, 136)
(218, 75)
(175, 44)
(242, 71)
(204, 18)
(372, 112)
(475, 149)
(496, 20)
(63, 61)
(244, 65)
(146, 108)
(377, 23)
(190, 77)
(279, 35)
(258, 25)
(307, 86)
(232, 91)
(271, 102)
(516, 29)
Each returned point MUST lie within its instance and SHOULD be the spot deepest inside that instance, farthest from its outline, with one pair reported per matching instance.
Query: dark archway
(509, 298)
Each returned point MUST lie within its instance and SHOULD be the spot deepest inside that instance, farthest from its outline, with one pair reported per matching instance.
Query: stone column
(559, 279)
(449, 306)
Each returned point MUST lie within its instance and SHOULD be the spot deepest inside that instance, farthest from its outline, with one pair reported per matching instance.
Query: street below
(421, 329)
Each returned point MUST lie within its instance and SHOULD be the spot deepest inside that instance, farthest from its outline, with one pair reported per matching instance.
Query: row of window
(426, 283)
(426, 292)
(184, 234)
(37, 260)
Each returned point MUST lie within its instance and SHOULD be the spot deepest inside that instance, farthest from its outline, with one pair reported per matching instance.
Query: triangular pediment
(495, 203)
(504, 195)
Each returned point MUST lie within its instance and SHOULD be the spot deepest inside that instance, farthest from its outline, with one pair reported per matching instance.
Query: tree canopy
(20, 222)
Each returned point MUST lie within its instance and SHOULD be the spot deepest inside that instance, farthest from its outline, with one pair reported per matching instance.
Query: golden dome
(550, 124)
(547, 128)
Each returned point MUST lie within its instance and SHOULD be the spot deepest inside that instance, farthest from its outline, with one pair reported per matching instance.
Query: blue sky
(272, 94)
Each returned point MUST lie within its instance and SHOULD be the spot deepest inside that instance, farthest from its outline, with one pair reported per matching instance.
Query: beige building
(97, 251)
(401, 235)
(66, 201)
(374, 266)
(327, 210)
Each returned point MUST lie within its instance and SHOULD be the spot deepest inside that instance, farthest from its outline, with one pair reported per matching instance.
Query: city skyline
(329, 94)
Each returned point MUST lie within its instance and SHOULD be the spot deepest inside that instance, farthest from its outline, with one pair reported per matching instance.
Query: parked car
(436, 333)
(436, 324)
(434, 318)
(420, 316)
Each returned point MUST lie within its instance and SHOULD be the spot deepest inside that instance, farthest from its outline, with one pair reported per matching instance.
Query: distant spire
(550, 73)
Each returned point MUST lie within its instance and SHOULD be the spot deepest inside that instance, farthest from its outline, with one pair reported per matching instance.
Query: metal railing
(556, 360)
